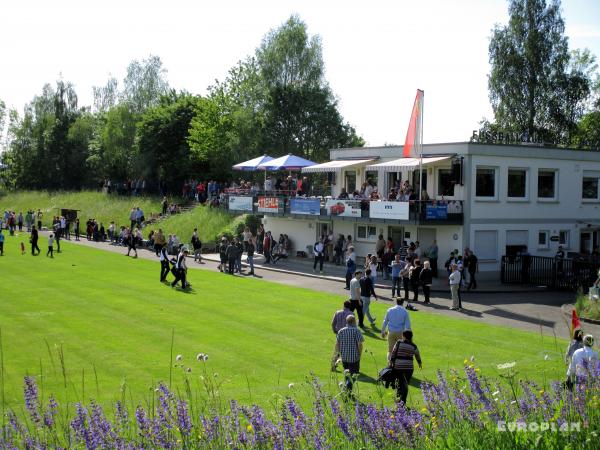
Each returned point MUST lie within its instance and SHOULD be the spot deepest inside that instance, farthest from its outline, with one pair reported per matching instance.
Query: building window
(366, 232)
(543, 239)
(517, 184)
(485, 182)
(486, 245)
(547, 184)
(563, 238)
(589, 186)
(445, 183)
(350, 181)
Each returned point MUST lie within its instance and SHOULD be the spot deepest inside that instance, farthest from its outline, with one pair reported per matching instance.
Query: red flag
(413, 135)
(574, 322)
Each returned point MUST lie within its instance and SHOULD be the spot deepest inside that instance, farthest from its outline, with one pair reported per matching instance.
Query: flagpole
(420, 148)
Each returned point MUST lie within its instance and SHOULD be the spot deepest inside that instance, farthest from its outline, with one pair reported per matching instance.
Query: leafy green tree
(530, 87)
(107, 96)
(144, 84)
(162, 135)
(113, 147)
(588, 131)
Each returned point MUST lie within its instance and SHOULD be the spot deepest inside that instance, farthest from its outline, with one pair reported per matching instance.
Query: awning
(405, 164)
(334, 166)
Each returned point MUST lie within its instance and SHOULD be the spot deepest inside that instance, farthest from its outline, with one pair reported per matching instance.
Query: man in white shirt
(454, 280)
(355, 300)
(584, 362)
(319, 250)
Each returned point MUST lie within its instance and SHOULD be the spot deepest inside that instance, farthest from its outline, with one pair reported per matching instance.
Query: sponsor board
(308, 206)
(269, 204)
(436, 212)
(344, 208)
(240, 203)
(388, 210)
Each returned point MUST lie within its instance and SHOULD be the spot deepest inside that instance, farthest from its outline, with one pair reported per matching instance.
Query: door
(322, 230)
(585, 243)
(426, 236)
(397, 235)
(350, 182)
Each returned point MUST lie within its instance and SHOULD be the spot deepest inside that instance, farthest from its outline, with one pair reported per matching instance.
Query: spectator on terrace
(356, 195)
(375, 194)
(343, 194)
(392, 196)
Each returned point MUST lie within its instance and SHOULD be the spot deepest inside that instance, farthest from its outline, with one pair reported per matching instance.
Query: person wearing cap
(584, 362)
(180, 269)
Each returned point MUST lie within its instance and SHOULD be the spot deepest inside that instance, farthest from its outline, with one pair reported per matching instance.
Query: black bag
(386, 376)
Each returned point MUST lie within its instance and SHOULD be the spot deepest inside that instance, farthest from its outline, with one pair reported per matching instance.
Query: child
(22, 248)
(50, 247)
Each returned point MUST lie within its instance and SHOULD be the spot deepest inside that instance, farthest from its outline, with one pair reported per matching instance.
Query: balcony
(282, 204)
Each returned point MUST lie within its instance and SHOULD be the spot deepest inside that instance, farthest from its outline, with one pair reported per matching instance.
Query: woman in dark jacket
(426, 279)
(414, 278)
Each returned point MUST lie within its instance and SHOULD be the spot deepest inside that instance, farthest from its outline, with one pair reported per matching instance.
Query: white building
(494, 199)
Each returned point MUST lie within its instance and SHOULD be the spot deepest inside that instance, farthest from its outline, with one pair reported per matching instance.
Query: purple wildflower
(50, 412)
(183, 418)
(32, 402)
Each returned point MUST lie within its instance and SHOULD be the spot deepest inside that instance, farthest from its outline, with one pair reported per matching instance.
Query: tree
(162, 135)
(144, 84)
(105, 97)
(2, 121)
(530, 87)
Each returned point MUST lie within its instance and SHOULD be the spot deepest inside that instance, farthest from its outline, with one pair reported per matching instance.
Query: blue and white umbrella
(287, 162)
(253, 163)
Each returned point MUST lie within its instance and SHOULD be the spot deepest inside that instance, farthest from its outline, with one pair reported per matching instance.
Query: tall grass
(104, 208)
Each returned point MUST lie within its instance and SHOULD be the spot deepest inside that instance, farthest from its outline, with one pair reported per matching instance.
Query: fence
(554, 273)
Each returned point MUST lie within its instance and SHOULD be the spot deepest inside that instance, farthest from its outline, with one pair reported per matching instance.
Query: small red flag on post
(574, 322)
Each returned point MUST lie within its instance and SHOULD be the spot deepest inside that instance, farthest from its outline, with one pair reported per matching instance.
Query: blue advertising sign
(436, 212)
(308, 206)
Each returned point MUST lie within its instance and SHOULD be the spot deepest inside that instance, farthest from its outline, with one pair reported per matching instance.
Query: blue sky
(376, 53)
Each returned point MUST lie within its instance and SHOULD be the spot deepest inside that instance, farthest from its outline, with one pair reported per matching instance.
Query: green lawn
(114, 322)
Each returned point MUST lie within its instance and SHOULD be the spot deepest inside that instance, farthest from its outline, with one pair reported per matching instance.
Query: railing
(279, 203)
(554, 273)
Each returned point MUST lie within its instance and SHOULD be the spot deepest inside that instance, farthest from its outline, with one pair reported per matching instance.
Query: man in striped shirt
(401, 361)
(350, 345)
(339, 322)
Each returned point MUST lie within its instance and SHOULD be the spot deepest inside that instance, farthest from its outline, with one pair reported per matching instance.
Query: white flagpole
(420, 146)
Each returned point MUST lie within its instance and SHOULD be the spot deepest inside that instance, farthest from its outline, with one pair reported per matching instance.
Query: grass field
(113, 322)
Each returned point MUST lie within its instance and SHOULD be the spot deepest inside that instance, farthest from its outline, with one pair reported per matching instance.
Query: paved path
(533, 311)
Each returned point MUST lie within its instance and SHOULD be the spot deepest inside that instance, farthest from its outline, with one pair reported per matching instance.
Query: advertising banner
(388, 210)
(269, 204)
(345, 208)
(436, 212)
(240, 203)
(308, 206)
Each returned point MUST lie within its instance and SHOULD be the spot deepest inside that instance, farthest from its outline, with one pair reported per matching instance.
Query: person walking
(1, 242)
(76, 229)
(396, 320)
(180, 269)
(426, 280)
(223, 254)
(402, 365)
(355, 301)
(454, 278)
(131, 242)
(405, 274)
(349, 343)
(338, 322)
(575, 345)
(197, 246)
(266, 247)
(34, 241)
(473, 268)
(164, 263)
(318, 250)
(366, 291)
(50, 245)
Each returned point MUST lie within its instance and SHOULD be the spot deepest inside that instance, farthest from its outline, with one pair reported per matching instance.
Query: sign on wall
(308, 206)
(436, 212)
(344, 208)
(388, 210)
(240, 203)
(269, 204)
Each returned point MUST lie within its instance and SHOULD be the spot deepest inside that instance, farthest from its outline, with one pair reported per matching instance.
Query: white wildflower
(546, 357)
(495, 393)
(179, 358)
(205, 358)
(509, 365)
(290, 386)
(200, 357)
(472, 358)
